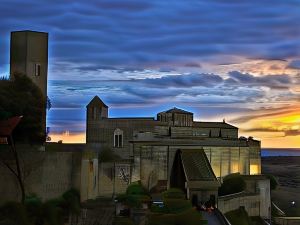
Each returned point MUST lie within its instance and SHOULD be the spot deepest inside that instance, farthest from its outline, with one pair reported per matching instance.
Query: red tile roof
(7, 126)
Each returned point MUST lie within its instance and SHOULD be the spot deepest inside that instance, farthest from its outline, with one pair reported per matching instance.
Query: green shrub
(122, 221)
(72, 201)
(135, 195)
(238, 217)
(273, 181)
(232, 183)
(173, 193)
(13, 213)
(174, 202)
(188, 217)
(136, 188)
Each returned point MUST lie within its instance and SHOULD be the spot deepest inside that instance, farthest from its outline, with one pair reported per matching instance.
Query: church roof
(97, 101)
(213, 125)
(196, 165)
(177, 110)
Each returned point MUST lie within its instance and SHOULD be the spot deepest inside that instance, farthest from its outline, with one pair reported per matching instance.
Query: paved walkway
(211, 218)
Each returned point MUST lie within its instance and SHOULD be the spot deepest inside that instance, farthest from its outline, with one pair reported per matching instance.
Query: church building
(173, 150)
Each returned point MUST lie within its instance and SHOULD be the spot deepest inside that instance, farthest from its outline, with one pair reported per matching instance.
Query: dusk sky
(238, 60)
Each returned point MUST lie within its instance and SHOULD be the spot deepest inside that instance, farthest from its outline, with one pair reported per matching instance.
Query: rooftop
(176, 110)
(196, 165)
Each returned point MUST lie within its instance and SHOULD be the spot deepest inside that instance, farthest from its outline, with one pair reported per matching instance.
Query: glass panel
(120, 141)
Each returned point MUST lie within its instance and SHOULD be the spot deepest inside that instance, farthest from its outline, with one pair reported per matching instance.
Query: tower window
(94, 113)
(118, 138)
(37, 71)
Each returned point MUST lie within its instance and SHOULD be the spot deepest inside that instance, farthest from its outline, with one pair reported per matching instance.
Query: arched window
(118, 138)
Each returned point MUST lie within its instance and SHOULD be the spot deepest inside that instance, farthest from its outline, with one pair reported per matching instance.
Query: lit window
(254, 169)
(37, 71)
(118, 138)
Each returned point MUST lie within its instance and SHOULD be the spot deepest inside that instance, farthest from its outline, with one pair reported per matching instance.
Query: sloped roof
(213, 125)
(7, 126)
(97, 101)
(177, 110)
(196, 165)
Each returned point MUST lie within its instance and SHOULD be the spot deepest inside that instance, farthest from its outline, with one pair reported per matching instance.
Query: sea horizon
(266, 152)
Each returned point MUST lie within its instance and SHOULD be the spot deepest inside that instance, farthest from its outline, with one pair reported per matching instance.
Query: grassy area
(241, 217)
(187, 217)
(122, 221)
(175, 211)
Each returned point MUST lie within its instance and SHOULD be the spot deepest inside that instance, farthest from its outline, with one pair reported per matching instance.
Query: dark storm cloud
(139, 32)
(272, 81)
(190, 80)
(287, 132)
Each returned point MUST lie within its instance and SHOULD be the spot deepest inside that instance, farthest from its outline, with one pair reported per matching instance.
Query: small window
(94, 113)
(118, 138)
(37, 71)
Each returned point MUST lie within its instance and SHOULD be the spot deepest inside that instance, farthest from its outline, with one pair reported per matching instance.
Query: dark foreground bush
(232, 183)
(238, 217)
(188, 217)
(36, 212)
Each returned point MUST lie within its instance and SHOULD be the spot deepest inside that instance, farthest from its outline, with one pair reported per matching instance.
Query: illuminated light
(254, 169)
(234, 167)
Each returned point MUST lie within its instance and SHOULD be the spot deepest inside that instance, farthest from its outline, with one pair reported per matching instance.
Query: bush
(173, 193)
(13, 213)
(174, 202)
(72, 200)
(136, 189)
(36, 212)
(122, 221)
(238, 217)
(135, 195)
(188, 217)
(232, 183)
(273, 181)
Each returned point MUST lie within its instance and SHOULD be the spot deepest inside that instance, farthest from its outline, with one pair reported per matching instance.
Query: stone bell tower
(29, 56)
(96, 111)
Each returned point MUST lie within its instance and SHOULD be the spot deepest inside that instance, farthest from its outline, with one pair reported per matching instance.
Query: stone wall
(233, 202)
(46, 174)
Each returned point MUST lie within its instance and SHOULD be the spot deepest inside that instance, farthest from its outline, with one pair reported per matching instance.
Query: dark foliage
(232, 183)
(273, 181)
(36, 212)
(107, 155)
(21, 97)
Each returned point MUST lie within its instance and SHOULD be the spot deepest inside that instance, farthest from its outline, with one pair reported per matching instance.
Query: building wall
(256, 198)
(251, 204)
(28, 48)
(47, 174)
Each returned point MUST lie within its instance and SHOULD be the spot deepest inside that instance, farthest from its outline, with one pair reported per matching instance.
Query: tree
(232, 183)
(21, 97)
(273, 181)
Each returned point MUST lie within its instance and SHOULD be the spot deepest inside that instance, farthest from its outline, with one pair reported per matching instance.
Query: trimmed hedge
(232, 183)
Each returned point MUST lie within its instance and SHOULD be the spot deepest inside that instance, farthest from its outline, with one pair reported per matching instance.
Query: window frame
(118, 138)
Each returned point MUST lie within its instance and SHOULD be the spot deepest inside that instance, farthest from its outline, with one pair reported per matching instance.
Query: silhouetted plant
(273, 181)
(232, 183)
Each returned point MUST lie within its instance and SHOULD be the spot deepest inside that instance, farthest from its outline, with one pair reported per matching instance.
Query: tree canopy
(21, 97)
(232, 183)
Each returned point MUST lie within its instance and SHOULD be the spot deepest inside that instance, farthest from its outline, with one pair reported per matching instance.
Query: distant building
(29, 56)
(168, 151)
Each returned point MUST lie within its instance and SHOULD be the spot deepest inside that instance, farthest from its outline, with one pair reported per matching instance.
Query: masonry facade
(151, 144)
